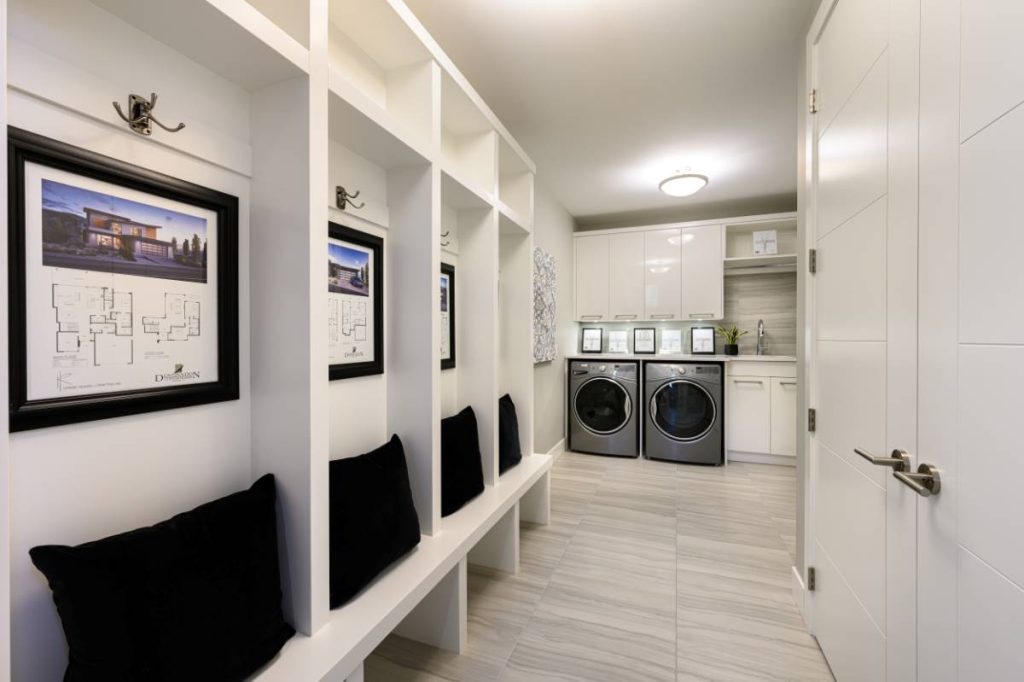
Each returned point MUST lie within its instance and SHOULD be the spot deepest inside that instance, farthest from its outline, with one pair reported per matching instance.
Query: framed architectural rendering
(591, 340)
(355, 302)
(702, 341)
(123, 287)
(447, 316)
(643, 340)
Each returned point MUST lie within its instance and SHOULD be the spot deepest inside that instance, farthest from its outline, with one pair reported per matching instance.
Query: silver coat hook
(342, 198)
(140, 115)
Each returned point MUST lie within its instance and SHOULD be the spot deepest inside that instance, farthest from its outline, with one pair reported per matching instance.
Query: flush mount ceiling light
(683, 185)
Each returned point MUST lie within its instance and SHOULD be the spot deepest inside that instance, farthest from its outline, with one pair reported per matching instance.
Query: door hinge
(812, 579)
(812, 101)
(812, 420)
(812, 261)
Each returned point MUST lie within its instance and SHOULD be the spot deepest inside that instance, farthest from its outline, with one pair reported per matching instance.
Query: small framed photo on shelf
(447, 316)
(671, 342)
(591, 340)
(643, 340)
(618, 341)
(702, 341)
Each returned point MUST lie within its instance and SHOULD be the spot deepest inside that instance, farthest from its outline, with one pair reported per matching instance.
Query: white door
(703, 294)
(626, 278)
(971, 555)
(592, 278)
(662, 278)
(863, 224)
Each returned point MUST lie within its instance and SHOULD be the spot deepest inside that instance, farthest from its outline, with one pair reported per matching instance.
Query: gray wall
(768, 297)
(552, 231)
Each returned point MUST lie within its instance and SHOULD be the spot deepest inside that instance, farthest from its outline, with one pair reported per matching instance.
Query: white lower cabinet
(749, 418)
(761, 411)
(783, 417)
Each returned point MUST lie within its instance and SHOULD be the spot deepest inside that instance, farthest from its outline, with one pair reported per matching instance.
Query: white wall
(81, 482)
(552, 231)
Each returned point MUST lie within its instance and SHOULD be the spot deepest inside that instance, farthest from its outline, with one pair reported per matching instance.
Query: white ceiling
(611, 96)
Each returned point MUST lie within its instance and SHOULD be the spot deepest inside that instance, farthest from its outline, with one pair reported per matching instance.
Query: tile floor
(649, 572)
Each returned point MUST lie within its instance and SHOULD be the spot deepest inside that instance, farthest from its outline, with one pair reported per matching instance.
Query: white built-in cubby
(740, 258)
(283, 101)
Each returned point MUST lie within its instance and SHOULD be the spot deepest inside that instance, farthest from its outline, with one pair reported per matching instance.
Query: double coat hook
(140, 115)
(342, 198)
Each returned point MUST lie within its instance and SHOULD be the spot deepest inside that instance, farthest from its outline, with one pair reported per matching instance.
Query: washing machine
(604, 407)
(684, 415)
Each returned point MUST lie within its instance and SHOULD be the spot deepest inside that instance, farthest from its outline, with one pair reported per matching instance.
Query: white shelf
(512, 221)
(354, 631)
(456, 178)
(760, 261)
(229, 37)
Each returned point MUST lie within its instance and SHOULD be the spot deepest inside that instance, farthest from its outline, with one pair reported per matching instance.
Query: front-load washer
(683, 419)
(604, 407)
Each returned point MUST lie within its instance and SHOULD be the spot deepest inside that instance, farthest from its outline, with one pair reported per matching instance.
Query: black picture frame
(702, 330)
(654, 341)
(449, 270)
(583, 339)
(25, 147)
(376, 246)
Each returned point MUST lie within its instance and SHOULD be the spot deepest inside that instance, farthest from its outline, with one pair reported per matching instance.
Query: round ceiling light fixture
(683, 185)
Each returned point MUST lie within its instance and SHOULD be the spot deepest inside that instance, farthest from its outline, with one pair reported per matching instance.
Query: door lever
(899, 460)
(926, 482)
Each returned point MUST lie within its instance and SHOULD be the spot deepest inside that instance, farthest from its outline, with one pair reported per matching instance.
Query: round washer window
(683, 410)
(602, 405)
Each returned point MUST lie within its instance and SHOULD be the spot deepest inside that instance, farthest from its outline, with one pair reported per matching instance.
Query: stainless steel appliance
(604, 407)
(684, 415)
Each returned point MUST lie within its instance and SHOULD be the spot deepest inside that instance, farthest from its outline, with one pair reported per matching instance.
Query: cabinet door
(662, 278)
(749, 416)
(703, 281)
(783, 417)
(626, 276)
(592, 277)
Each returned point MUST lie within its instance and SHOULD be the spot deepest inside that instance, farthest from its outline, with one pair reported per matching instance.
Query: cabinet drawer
(749, 414)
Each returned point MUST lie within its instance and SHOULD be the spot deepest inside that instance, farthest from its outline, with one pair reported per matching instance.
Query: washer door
(602, 406)
(683, 410)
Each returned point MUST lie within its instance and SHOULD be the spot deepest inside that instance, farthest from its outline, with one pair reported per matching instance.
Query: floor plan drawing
(180, 321)
(94, 316)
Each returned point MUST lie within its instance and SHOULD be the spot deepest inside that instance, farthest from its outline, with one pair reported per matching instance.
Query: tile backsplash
(748, 298)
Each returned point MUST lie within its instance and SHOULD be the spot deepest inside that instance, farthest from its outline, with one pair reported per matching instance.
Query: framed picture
(671, 341)
(702, 340)
(618, 341)
(643, 340)
(447, 316)
(355, 302)
(591, 342)
(123, 287)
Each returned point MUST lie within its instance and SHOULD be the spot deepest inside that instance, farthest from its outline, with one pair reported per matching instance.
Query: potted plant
(732, 338)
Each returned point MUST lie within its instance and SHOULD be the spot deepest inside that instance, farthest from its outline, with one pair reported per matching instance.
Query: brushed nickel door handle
(925, 482)
(899, 460)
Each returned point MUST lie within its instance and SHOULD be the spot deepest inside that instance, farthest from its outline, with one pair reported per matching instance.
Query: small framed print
(591, 340)
(643, 340)
(618, 342)
(702, 341)
(447, 316)
(355, 302)
(671, 341)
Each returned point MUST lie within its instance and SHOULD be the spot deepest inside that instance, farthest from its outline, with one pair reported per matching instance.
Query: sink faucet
(760, 337)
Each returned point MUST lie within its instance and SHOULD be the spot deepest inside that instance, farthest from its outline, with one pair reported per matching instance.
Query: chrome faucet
(760, 337)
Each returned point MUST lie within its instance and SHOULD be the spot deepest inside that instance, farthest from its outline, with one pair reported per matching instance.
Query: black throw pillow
(196, 597)
(509, 451)
(373, 519)
(462, 471)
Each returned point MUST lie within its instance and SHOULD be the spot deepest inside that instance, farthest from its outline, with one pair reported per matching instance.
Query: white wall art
(544, 289)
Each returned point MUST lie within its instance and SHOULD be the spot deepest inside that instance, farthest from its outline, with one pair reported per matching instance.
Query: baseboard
(800, 595)
(758, 458)
(557, 449)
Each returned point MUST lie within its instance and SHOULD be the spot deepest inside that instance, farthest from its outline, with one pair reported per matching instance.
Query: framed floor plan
(355, 302)
(123, 287)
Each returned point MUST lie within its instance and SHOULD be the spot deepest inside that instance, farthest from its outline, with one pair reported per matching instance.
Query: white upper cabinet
(626, 276)
(662, 274)
(703, 284)
(592, 276)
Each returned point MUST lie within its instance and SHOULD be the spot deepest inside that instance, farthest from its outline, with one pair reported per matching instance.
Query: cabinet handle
(748, 381)
(625, 317)
(591, 317)
(663, 316)
(701, 316)
(787, 383)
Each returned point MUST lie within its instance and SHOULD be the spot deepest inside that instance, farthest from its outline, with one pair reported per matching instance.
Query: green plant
(731, 334)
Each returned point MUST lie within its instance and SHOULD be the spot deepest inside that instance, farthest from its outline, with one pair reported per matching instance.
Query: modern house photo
(659, 341)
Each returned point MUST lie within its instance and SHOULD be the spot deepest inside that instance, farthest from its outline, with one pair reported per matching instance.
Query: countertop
(612, 357)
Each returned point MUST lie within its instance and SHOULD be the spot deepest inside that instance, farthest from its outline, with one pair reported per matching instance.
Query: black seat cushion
(373, 518)
(462, 472)
(196, 597)
(509, 451)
